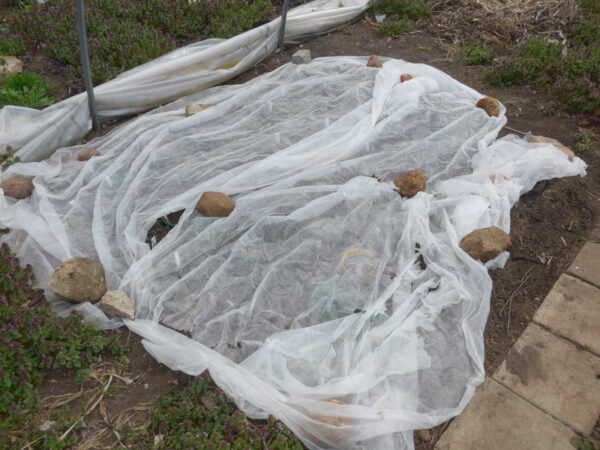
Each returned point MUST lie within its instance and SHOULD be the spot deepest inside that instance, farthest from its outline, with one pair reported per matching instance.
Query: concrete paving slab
(572, 310)
(554, 375)
(587, 264)
(498, 419)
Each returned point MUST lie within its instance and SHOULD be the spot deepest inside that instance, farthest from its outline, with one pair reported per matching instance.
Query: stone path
(548, 386)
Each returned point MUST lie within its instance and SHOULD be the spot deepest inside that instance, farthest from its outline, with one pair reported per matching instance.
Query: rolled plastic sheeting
(325, 298)
(36, 134)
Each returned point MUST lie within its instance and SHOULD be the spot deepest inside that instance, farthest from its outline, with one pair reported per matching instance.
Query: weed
(9, 158)
(583, 141)
(33, 341)
(592, 6)
(202, 417)
(571, 74)
(584, 442)
(396, 27)
(400, 14)
(25, 89)
(477, 54)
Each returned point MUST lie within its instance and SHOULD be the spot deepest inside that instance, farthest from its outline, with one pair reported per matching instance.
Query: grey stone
(79, 280)
(556, 376)
(587, 264)
(486, 243)
(302, 57)
(572, 310)
(17, 187)
(498, 419)
(118, 304)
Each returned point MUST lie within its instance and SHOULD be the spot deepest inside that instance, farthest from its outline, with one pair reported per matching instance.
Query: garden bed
(549, 224)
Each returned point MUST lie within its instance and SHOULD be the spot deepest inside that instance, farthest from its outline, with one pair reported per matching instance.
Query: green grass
(477, 54)
(25, 89)
(401, 15)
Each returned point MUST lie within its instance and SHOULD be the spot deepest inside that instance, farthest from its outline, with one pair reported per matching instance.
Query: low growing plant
(34, 341)
(400, 14)
(477, 54)
(572, 75)
(25, 89)
(201, 416)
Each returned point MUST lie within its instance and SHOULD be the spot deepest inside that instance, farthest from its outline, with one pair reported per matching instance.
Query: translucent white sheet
(311, 289)
(36, 134)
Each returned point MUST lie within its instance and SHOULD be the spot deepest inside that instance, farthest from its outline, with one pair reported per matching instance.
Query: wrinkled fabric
(35, 134)
(324, 283)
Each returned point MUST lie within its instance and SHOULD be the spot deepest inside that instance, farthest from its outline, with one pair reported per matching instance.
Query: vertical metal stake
(286, 4)
(85, 63)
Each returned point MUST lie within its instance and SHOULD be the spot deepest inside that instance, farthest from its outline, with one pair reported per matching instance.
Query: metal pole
(85, 63)
(286, 4)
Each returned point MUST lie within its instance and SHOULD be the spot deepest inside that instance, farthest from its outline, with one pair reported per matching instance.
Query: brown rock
(405, 77)
(10, 65)
(424, 435)
(546, 140)
(79, 280)
(88, 153)
(486, 243)
(374, 62)
(215, 204)
(17, 187)
(118, 304)
(490, 105)
(335, 428)
(411, 183)
(192, 109)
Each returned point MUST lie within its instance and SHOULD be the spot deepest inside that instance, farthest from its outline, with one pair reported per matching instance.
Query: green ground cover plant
(25, 89)
(34, 341)
(201, 416)
(401, 15)
(571, 74)
(478, 54)
(124, 33)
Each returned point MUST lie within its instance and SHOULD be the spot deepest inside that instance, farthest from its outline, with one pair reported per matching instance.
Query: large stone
(302, 57)
(546, 140)
(490, 105)
(79, 280)
(554, 375)
(587, 264)
(374, 62)
(10, 65)
(215, 204)
(88, 153)
(192, 109)
(17, 187)
(498, 419)
(486, 243)
(118, 304)
(572, 310)
(411, 183)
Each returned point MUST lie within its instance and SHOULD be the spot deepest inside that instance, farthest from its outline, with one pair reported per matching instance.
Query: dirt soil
(549, 225)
